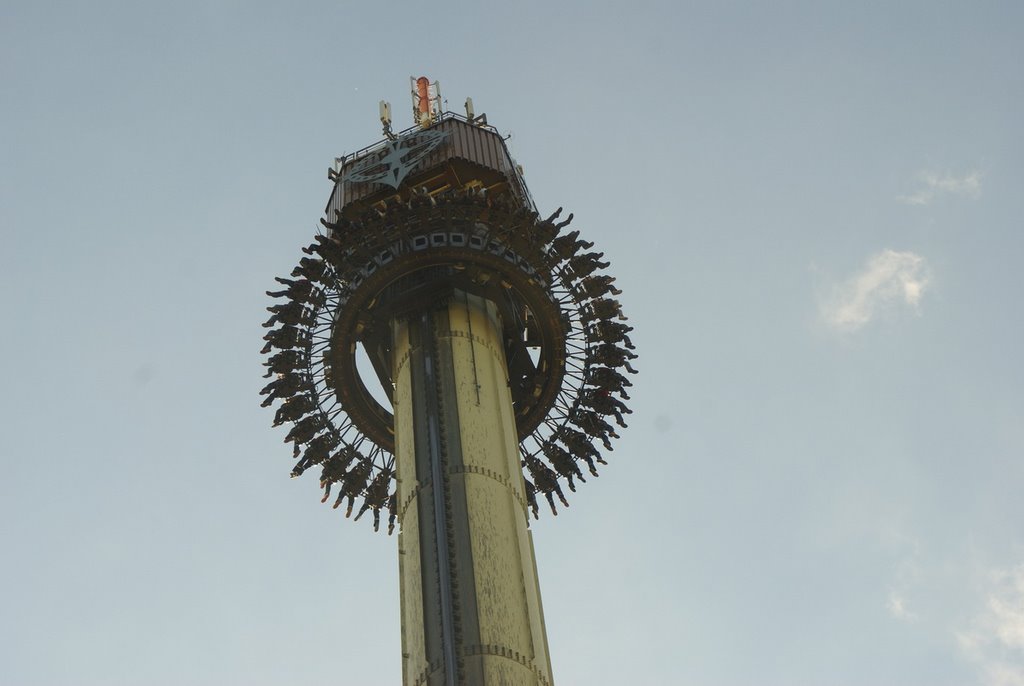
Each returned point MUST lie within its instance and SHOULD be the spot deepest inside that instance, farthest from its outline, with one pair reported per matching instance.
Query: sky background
(814, 210)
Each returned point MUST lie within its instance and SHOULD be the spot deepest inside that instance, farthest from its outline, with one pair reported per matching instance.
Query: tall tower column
(470, 598)
(502, 355)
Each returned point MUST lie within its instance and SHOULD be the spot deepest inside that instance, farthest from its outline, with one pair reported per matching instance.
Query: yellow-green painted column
(470, 599)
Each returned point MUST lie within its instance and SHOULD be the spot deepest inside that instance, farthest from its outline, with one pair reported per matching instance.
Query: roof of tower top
(442, 151)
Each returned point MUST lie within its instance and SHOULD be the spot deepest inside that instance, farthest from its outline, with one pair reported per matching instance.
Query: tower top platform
(453, 153)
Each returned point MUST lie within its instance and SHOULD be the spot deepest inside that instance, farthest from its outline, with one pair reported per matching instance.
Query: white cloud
(936, 184)
(995, 641)
(889, 278)
(897, 607)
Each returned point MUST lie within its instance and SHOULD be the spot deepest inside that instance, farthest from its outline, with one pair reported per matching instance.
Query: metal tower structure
(499, 356)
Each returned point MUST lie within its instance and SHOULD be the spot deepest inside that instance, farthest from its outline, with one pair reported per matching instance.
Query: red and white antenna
(426, 100)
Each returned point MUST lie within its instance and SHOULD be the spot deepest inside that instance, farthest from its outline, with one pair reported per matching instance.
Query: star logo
(394, 161)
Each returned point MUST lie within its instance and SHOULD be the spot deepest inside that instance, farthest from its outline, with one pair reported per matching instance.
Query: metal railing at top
(374, 147)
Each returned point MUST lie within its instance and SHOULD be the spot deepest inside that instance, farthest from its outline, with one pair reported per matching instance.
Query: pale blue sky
(814, 210)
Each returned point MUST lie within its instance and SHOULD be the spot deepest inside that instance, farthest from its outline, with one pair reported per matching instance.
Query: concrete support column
(470, 599)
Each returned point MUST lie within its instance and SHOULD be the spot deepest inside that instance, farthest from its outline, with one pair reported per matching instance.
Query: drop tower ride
(496, 354)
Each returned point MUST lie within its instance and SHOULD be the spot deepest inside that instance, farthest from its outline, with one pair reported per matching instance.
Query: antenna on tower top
(426, 101)
(385, 119)
(471, 115)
